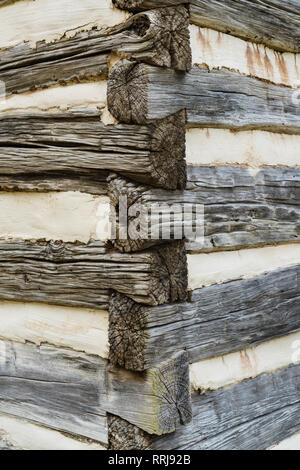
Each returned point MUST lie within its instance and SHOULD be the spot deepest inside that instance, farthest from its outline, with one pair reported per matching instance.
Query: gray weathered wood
(71, 391)
(251, 415)
(59, 388)
(275, 23)
(157, 402)
(219, 319)
(83, 274)
(212, 98)
(159, 37)
(240, 209)
(39, 148)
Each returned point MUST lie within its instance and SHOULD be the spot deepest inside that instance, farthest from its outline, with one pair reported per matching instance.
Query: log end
(166, 30)
(127, 336)
(123, 435)
(168, 151)
(127, 91)
(171, 386)
(170, 274)
(129, 5)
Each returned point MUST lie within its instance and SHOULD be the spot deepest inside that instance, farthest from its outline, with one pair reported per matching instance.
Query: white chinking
(214, 268)
(219, 50)
(50, 20)
(91, 95)
(248, 148)
(80, 329)
(218, 372)
(291, 443)
(24, 435)
(66, 216)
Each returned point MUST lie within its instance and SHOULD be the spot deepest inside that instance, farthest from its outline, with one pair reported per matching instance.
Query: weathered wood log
(148, 221)
(139, 92)
(83, 274)
(159, 37)
(241, 209)
(274, 23)
(251, 415)
(71, 391)
(59, 388)
(56, 147)
(217, 321)
(157, 403)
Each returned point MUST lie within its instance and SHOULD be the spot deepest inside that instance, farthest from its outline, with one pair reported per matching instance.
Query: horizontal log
(58, 388)
(217, 321)
(139, 92)
(157, 403)
(60, 147)
(242, 208)
(159, 37)
(83, 274)
(71, 391)
(274, 23)
(251, 415)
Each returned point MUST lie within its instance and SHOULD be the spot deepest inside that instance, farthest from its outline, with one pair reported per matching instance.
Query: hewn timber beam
(139, 92)
(159, 37)
(158, 401)
(83, 274)
(38, 147)
(141, 337)
(251, 415)
(274, 23)
(72, 391)
(223, 207)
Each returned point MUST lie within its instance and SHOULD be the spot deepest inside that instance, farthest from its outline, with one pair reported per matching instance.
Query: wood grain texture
(158, 401)
(159, 37)
(242, 209)
(251, 415)
(59, 388)
(42, 148)
(274, 23)
(216, 321)
(139, 92)
(84, 274)
(71, 391)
